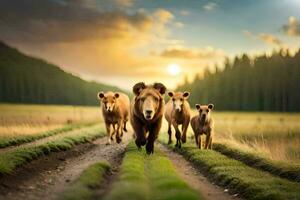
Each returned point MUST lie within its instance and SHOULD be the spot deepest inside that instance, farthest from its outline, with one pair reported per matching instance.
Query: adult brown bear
(146, 113)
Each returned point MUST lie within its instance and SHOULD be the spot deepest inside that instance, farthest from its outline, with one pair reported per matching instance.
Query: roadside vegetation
(149, 177)
(274, 135)
(21, 139)
(83, 187)
(286, 170)
(11, 160)
(236, 176)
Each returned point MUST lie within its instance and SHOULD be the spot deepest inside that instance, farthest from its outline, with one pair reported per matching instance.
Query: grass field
(255, 156)
(19, 120)
(275, 135)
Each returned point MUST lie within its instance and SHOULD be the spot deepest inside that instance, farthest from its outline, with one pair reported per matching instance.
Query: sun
(173, 69)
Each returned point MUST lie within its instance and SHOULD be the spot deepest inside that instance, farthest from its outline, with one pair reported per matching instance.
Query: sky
(121, 42)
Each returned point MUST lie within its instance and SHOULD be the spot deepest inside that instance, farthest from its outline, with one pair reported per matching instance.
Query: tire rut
(195, 179)
(48, 176)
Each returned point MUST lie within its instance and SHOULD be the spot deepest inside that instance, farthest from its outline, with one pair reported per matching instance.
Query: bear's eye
(200, 110)
(181, 99)
(207, 110)
(143, 99)
(155, 99)
(173, 99)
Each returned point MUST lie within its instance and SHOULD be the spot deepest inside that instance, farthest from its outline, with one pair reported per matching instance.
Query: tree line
(25, 79)
(265, 83)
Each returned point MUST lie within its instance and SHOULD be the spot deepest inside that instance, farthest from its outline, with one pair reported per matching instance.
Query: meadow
(276, 135)
(255, 156)
(19, 120)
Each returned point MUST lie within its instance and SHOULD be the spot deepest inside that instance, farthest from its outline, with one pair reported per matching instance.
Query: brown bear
(203, 124)
(177, 113)
(146, 113)
(115, 110)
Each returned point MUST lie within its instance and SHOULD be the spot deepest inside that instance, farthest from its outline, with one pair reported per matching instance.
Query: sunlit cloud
(265, 37)
(271, 39)
(163, 15)
(126, 3)
(192, 53)
(179, 25)
(184, 13)
(293, 27)
(210, 6)
(124, 41)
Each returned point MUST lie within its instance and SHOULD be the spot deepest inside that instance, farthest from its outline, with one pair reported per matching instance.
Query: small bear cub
(203, 124)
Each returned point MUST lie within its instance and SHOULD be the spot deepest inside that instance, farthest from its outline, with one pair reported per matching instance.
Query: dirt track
(49, 175)
(46, 177)
(194, 178)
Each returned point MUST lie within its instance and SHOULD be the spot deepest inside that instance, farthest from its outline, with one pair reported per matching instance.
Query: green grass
(149, 177)
(10, 161)
(21, 139)
(250, 183)
(278, 168)
(91, 178)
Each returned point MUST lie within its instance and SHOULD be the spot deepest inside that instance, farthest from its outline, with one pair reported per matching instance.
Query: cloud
(125, 3)
(163, 15)
(271, 39)
(210, 6)
(35, 22)
(265, 37)
(87, 38)
(179, 25)
(189, 53)
(100, 39)
(184, 13)
(248, 34)
(293, 27)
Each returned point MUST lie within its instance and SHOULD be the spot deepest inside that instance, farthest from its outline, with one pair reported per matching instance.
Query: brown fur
(203, 124)
(115, 110)
(178, 113)
(146, 112)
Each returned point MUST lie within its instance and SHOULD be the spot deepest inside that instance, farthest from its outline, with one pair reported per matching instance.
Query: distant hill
(25, 79)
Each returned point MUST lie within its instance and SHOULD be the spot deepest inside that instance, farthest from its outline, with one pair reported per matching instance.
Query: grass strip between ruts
(150, 177)
(91, 178)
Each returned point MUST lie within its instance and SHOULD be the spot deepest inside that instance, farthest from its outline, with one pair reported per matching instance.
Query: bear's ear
(137, 88)
(197, 106)
(186, 94)
(160, 87)
(100, 95)
(211, 106)
(117, 95)
(171, 94)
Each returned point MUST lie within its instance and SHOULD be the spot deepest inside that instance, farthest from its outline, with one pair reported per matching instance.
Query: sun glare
(173, 69)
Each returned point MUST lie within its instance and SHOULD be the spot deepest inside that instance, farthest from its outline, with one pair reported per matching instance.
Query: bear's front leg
(153, 134)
